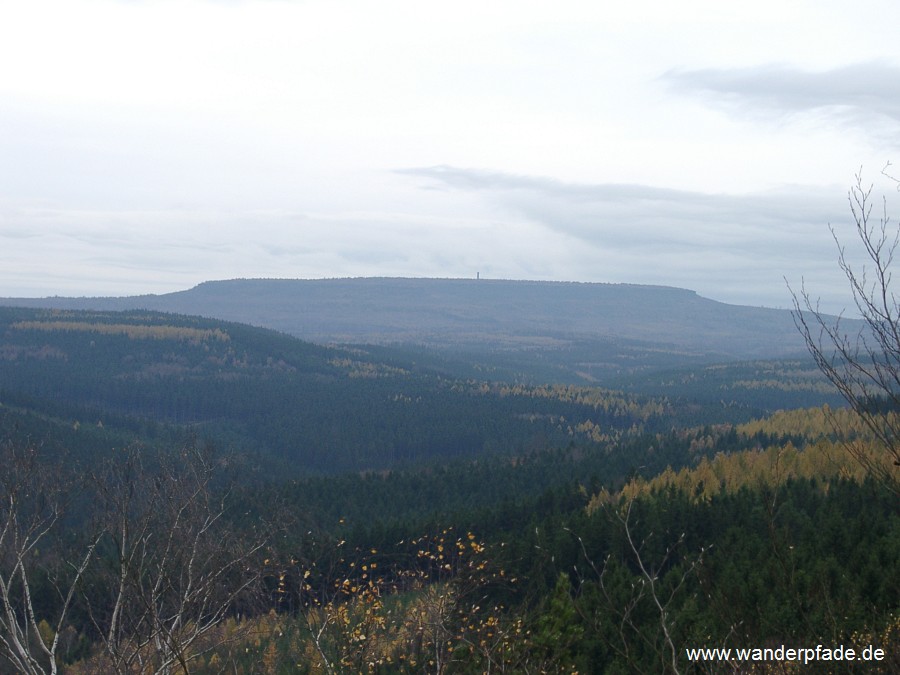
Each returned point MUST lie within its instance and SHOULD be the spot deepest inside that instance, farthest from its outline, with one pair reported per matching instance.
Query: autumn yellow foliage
(132, 331)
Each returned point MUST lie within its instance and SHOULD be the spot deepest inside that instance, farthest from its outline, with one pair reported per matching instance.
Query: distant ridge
(482, 312)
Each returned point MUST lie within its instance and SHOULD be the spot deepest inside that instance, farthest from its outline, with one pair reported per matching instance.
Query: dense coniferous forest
(187, 495)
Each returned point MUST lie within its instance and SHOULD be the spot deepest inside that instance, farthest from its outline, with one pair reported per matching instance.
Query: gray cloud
(862, 93)
(731, 247)
(630, 215)
(734, 248)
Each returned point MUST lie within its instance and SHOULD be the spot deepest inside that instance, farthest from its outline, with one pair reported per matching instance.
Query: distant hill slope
(476, 313)
(514, 331)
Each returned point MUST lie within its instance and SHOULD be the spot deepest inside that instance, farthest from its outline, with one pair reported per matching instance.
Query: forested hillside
(303, 407)
(549, 332)
(294, 405)
(366, 509)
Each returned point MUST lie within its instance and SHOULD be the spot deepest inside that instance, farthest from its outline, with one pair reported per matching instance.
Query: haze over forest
(586, 329)
(402, 337)
(463, 492)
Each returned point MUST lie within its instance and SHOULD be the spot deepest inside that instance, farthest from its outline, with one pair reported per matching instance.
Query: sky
(147, 146)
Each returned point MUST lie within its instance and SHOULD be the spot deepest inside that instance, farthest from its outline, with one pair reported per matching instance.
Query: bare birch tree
(864, 363)
(624, 612)
(35, 496)
(174, 568)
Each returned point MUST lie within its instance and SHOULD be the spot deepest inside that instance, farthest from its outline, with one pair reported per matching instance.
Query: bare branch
(178, 568)
(863, 364)
(31, 510)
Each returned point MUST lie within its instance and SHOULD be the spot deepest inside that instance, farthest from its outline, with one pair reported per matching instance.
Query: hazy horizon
(148, 147)
(386, 277)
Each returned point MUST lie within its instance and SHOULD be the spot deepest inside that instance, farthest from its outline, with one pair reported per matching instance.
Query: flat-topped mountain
(475, 313)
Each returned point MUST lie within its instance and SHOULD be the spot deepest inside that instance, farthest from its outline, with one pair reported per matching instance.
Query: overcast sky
(146, 146)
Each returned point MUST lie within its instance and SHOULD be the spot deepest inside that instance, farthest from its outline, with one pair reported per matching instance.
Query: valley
(449, 494)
